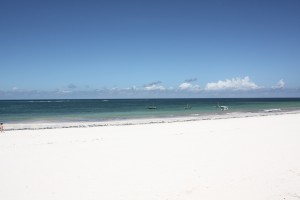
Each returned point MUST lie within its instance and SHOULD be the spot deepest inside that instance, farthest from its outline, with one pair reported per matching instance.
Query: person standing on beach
(1, 128)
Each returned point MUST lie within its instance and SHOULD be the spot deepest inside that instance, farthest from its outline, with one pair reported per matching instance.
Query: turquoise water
(94, 110)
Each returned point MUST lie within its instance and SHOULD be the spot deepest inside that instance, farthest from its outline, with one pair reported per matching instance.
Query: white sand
(238, 159)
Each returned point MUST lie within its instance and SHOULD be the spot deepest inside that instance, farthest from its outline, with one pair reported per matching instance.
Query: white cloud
(280, 85)
(154, 86)
(132, 88)
(64, 91)
(233, 84)
(188, 86)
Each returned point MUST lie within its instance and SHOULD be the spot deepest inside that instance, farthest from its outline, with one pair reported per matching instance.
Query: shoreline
(141, 121)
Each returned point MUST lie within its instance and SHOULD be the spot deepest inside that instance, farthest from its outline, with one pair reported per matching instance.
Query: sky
(149, 49)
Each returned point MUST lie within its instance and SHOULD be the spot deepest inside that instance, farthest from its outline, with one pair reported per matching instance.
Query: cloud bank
(154, 86)
(185, 86)
(280, 85)
(232, 84)
(234, 87)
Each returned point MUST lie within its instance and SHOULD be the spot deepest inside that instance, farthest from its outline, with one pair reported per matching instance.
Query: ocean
(104, 110)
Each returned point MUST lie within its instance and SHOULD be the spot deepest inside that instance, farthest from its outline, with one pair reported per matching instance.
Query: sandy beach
(237, 158)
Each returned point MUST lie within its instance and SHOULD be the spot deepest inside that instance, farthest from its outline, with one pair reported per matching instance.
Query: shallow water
(105, 110)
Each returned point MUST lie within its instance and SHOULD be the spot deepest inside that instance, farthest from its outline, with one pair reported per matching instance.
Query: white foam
(121, 122)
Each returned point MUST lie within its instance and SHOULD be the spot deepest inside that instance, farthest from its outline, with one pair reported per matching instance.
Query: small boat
(222, 108)
(187, 107)
(151, 108)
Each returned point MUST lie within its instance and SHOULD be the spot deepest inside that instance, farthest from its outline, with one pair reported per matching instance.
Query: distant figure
(1, 128)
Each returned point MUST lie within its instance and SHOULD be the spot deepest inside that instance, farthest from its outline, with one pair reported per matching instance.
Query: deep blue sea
(97, 110)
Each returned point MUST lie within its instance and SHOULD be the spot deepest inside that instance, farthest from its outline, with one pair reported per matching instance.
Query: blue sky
(124, 49)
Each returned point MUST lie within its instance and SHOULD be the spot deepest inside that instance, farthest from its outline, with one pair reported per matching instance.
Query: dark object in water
(151, 107)
(187, 107)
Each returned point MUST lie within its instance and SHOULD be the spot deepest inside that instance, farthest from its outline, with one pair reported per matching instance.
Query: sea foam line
(126, 122)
